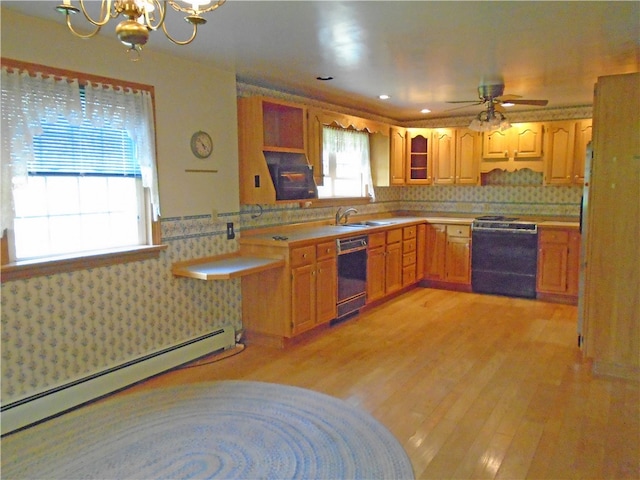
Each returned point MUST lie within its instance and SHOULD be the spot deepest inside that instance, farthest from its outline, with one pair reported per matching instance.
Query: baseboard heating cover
(35, 408)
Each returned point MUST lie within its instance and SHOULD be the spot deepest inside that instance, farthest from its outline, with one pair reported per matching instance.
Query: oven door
(504, 263)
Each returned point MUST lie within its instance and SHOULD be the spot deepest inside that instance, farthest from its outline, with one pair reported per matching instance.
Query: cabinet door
(558, 153)
(436, 243)
(552, 267)
(398, 150)
(553, 256)
(526, 140)
(418, 156)
(393, 267)
(375, 273)
(303, 298)
(326, 290)
(496, 145)
(582, 139)
(314, 143)
(444, 156)
(468, 157)
(457, 260)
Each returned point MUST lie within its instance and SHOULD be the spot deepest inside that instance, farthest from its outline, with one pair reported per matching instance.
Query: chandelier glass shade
(489, 120)
(140, 18)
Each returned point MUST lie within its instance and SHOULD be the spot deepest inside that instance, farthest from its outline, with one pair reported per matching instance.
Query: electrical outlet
(230, 233)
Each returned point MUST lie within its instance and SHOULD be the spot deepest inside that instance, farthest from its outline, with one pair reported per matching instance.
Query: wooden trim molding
(35, 268)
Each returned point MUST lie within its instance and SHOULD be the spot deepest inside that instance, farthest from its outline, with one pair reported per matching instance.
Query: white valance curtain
(29, 100)
(342, 140)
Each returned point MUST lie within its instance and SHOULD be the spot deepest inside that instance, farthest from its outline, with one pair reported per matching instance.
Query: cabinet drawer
(326, 250)
(408, 259)
(302, 255)
(408, 275)
(377, 239)
(394, 236)
(409, 232)
(409, 246)
(553, 236)
(458, 231)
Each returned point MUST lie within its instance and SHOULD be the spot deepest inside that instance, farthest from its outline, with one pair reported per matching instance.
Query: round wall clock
(201, 144)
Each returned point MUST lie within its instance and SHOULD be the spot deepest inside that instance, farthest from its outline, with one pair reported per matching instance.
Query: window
(346, 164)
(81, 171)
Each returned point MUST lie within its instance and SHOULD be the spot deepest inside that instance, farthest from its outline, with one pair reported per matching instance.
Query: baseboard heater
(32, 409)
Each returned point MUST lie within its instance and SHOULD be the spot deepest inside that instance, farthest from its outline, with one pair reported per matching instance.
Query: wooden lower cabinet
(448, 254)
(558, 264)
(389, 266)
(281, 304)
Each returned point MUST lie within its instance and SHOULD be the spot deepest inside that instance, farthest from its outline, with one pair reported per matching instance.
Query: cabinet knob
(515, 153)
(328, 250)
(506, 154)
(304, 255)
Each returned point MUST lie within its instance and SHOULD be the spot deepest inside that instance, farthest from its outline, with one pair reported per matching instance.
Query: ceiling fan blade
(504, 98)
(477, 102)
(539, 103)
(463, 106)
(499, 108)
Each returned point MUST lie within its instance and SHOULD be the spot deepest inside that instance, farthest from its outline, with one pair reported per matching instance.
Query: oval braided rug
(230, 429)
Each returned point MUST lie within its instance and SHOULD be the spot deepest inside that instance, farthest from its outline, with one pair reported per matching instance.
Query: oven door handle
(506, 230)
(351, 250)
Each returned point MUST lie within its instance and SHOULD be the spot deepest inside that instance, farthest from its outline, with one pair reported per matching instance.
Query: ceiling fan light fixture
(489, 120)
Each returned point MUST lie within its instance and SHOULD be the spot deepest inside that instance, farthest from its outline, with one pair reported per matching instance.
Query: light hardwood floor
(473, 386)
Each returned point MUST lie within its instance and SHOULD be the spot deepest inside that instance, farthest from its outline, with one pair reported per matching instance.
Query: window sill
(48, 266)
(335, 201)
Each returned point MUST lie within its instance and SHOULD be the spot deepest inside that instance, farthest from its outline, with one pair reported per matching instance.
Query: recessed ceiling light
(384, 97)
(324, 78)
(507, 104)
(425, 110)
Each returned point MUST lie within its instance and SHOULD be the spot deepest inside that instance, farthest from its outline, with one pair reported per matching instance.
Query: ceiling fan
(493, 95)
(492, 117)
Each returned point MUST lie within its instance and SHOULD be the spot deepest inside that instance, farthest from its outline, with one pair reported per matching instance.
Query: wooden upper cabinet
(565, 149)
(444, 156)
(558, 152)
(517, 147)
(456, 155)
(266, 125)
(418, 157)
(398, 149)
(314, 143)
(583, 136)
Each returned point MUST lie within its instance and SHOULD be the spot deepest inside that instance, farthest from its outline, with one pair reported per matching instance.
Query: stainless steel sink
(370, 223)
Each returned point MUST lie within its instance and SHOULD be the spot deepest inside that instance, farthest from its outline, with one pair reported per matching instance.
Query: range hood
(292, 176)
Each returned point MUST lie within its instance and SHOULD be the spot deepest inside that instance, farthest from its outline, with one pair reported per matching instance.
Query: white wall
(189, 97)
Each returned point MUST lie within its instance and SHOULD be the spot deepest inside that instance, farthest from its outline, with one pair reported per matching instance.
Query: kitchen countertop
(293, 235)
(300, 234)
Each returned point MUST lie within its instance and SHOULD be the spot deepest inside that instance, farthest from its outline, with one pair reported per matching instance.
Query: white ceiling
(421, 53)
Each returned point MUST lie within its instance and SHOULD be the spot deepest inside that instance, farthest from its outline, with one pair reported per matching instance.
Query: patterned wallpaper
(60, 328)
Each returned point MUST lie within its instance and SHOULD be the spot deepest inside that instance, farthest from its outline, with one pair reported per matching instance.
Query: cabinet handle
(506, 154)
(515, 153)
(328, 250)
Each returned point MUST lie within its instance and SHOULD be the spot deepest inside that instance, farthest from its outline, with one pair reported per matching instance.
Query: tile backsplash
(502, 193)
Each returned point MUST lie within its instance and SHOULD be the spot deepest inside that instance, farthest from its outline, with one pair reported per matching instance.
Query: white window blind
(75, 161)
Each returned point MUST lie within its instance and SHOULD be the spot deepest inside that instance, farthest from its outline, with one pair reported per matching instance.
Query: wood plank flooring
(473, 386)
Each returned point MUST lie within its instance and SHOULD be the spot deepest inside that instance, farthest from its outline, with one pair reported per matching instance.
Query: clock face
(201, 144)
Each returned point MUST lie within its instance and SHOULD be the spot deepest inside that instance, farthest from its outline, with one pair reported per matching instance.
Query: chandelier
(142, 17)
(489, 119)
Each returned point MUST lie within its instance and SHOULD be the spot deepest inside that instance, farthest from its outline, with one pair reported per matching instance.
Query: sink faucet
(344, 215)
